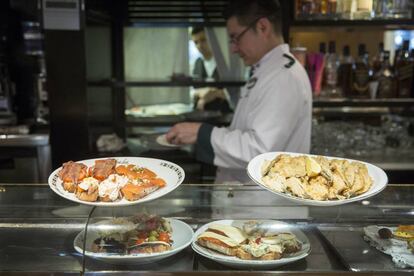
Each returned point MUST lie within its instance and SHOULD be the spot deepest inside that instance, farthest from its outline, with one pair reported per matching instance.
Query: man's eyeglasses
(236, 39)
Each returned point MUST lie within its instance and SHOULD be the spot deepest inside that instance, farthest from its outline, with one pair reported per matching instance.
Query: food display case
(41, 232)
(45, 231)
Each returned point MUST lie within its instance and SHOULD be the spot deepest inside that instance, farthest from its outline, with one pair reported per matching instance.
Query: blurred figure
(207, 98)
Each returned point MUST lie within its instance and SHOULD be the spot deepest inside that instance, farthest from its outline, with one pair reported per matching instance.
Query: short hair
(196, 30)
(246, 11)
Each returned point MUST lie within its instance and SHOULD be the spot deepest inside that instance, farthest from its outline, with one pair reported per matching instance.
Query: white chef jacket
(274, 113)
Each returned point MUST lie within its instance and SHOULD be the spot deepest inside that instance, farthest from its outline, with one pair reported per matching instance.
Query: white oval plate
(235, 262)
(380, 180)
(182, 235)
(170, 172)
(162, 140)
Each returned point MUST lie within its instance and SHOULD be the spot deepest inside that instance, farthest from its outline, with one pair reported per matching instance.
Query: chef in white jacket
(274, 111)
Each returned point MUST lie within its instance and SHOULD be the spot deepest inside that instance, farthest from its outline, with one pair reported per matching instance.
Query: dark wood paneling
(65, 62)
(117, 40)
(287, 17)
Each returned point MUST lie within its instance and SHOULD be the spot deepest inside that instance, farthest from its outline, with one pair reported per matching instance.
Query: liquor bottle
(380, 8)
(386, 79)
(298, 9)
(331, 88)
(399, 9)
(345, 71)
(348, 8)
(319, 68)
(404, 71)
(412, 83)
(364, 10)
(307, 8)
(360, 74)
(378, 59)
(322, 48)
(331, 9)
(320, 8)
(396, 56)
(318, 65)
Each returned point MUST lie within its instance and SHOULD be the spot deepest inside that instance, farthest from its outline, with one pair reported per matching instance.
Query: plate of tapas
(316, 180)
(248, 244)
(134, 240)
(115, 181)
(396, 241)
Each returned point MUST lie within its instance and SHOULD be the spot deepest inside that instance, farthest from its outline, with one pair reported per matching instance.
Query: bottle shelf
(348, 102)
(164, 83)
(353, 113)
(345, 23)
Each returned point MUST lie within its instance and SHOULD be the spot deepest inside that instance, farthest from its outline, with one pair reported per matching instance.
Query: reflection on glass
(391, 140)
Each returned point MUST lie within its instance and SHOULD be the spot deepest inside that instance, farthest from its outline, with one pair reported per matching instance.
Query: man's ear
(264, 26)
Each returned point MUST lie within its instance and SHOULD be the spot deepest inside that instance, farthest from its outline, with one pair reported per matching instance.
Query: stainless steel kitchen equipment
(7, 116)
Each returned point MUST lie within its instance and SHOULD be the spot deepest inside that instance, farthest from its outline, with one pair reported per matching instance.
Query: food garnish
(385, 233)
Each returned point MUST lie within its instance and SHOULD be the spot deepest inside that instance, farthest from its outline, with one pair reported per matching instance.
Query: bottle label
(331, 76)
(386, 88)
(361, 81)
(365, 5)
(405, 78)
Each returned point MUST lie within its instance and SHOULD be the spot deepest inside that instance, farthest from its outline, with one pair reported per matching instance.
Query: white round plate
(170, 172)
(380, 180)
(162, 140)
(235, 262)
(182, 235)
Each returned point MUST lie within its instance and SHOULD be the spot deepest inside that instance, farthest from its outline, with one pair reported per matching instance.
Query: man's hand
(207, 95)
(183, 133)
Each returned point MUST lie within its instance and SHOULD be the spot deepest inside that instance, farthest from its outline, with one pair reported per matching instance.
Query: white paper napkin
(401, 255)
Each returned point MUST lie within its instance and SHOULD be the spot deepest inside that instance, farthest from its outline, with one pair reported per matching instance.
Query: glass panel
(34, 233)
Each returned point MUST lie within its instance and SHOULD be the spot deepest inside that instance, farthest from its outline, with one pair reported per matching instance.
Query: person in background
(274, 111)
(207, 98)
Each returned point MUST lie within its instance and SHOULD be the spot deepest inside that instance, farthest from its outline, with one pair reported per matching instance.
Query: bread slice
(230, 251)
(292, 248)
(240, 253)
(85, 196)
(70, 186)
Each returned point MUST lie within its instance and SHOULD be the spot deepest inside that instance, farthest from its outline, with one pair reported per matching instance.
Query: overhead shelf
(385, 23)
(175, 13)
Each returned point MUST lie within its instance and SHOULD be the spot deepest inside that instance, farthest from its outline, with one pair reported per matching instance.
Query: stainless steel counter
(354, 252)
(25, 140)
(37, 229)
(27, 157)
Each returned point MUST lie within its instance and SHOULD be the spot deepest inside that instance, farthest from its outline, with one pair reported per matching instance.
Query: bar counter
(38, 228)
